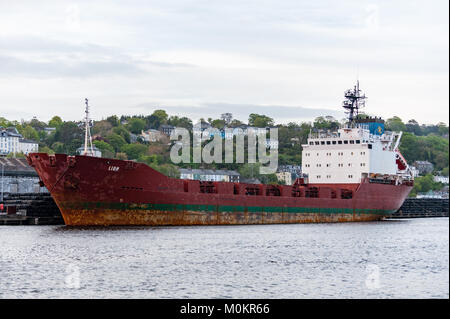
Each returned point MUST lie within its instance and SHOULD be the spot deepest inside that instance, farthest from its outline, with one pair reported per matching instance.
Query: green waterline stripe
(221, 208)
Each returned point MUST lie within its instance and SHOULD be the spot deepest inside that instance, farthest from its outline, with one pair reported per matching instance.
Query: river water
(387, 259)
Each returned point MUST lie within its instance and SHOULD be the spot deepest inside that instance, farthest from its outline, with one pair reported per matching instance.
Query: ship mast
(355, 100)
(87, 132)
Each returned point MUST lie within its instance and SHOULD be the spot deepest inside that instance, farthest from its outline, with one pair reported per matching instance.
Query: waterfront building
(210, 175)
(28, 146)
(11, 141)
(19, 177)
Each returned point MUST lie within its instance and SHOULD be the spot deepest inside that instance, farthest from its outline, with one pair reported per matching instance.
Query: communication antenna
(355, 100)
(87, 133)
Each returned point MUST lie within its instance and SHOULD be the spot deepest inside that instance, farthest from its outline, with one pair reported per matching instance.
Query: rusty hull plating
(99, 191)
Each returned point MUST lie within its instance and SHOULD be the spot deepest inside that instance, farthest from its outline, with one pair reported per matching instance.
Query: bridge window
(322, 143)
(328, 142)
(339, 142)
(334, 142)
(345, 142)
(358, 141)
(352, 142)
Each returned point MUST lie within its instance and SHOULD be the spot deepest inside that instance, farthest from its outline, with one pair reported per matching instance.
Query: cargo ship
(354, 174)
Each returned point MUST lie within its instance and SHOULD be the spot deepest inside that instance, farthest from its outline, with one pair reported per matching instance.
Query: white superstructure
(361, 149)
(351, 154)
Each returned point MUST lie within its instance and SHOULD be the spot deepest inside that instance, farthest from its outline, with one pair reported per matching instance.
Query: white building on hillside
(152, 135)
(9, 141)
(12, 142)
(28, 146)
(441, 179)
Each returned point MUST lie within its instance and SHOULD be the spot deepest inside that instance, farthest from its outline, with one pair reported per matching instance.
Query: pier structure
(422, 207)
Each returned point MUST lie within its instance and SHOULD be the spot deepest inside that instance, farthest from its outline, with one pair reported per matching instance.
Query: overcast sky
(291, 60)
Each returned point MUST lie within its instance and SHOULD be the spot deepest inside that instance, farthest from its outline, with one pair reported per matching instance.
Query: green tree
(122, 131)
(101, 128)
(235, 123)
(413, 127)
(56, 122)
(70, 135)
(218, 123)
(424, 184)
(180, 122)
(167, 169)
(250, 170)
(46, 149)
(103, 146)
(4, 122)
(152, 122)
(116, 141)
(37, 125)
(395, 124)
(113, 120)
(148, 159)
(134, 151)
(260, 120)
(30, 133)
(161, 115)
(136, 125)
(58, 147)
(326, 123)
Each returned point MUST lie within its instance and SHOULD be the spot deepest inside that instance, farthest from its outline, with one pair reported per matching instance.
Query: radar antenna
(355, 100)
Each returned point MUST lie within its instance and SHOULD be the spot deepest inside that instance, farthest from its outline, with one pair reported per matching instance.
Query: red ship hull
(98, 191)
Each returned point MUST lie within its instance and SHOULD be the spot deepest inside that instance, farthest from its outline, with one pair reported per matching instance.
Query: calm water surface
(388, 259)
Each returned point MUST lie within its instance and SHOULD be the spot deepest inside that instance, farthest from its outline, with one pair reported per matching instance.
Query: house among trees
(441, 179)
(210, 175)
(152, 135)
(424, 167)
(12, 142)
(166, 129)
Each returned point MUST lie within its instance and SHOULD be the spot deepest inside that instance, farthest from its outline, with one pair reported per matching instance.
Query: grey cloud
(10, 66)
(46, 45)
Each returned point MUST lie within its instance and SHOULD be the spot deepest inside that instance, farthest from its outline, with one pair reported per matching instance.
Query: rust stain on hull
(182, 218)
